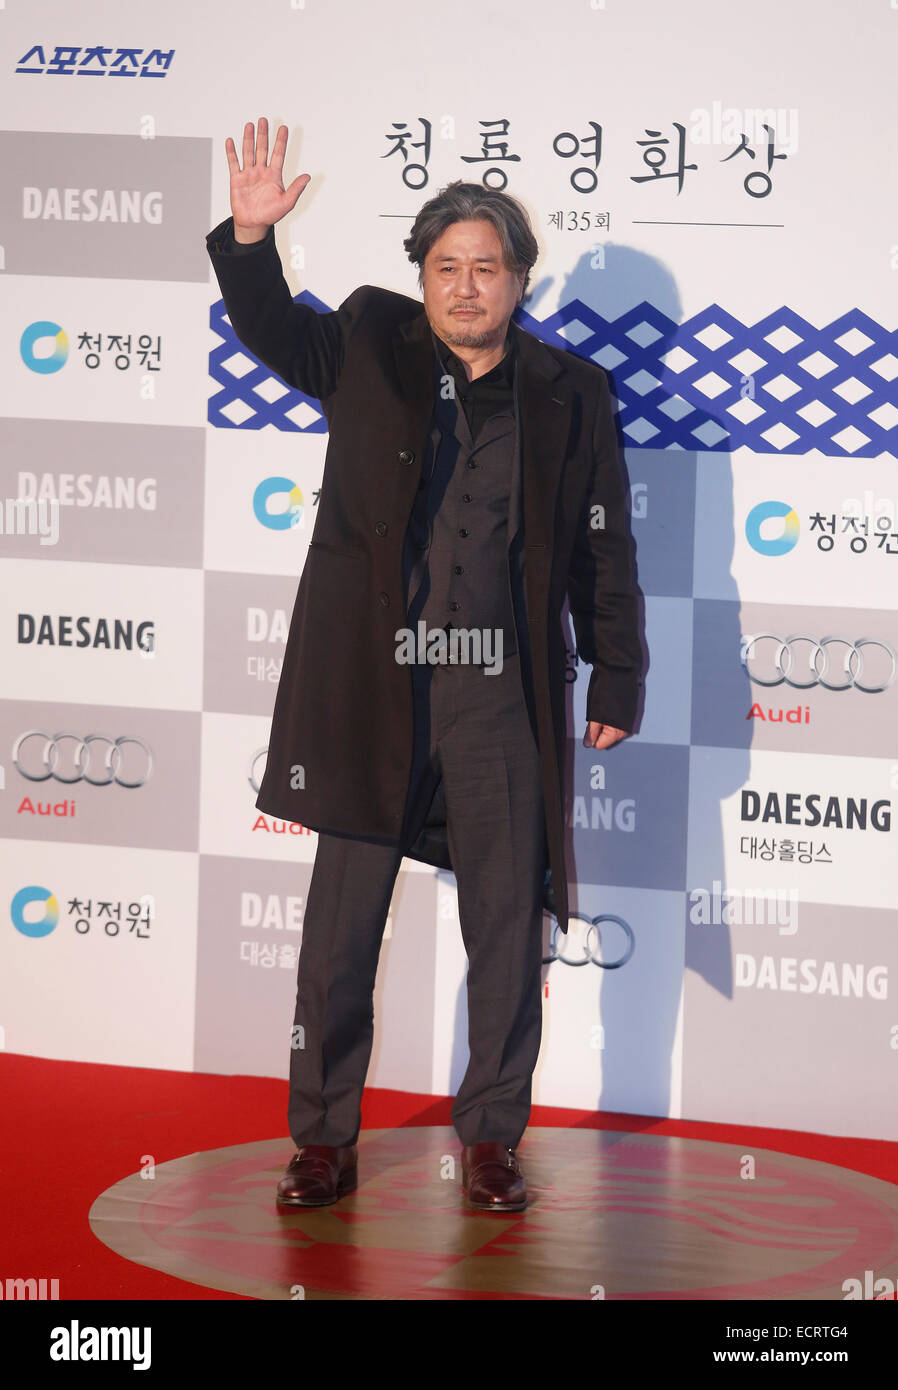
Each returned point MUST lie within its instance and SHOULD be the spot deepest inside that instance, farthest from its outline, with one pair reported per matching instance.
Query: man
(471, 483)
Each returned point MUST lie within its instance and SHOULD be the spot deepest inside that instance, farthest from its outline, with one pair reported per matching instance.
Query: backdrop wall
(713, 190)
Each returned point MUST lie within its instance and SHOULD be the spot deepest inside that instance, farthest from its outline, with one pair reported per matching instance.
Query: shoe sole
(495, 1206)
(343, 1187)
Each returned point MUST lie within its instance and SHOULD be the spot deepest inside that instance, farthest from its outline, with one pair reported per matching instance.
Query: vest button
(457, 569)
(462, 531)
(454, 606)
(406, 456)
(381, 528)
(385, 599)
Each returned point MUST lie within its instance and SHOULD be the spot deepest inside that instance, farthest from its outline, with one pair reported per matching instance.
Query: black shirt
(486, 394)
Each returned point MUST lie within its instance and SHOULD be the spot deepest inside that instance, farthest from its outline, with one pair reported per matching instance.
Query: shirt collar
(502, 372)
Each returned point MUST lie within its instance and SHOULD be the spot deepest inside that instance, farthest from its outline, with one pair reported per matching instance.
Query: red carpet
(72, 1129)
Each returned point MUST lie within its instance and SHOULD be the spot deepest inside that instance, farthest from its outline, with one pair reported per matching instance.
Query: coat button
(385, 599)
(462, 531)
(381, 528)
(467, 497)
(454, 606)
(406, 456)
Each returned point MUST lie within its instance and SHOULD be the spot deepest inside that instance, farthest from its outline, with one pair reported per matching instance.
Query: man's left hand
(602, 735)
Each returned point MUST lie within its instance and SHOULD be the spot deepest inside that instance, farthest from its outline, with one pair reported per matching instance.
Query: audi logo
(254, 763)
(592, 942)
(868, 664)
(70, 758)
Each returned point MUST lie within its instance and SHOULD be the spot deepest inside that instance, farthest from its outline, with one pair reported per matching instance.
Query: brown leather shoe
(492, 1178)
(317, 1175)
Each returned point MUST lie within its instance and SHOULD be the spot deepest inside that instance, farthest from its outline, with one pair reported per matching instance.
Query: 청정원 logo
(33, 894)
(777, 545)
(290, 516)
(39, 332)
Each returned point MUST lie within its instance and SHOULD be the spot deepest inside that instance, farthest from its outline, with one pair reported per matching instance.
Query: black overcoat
(341, 737)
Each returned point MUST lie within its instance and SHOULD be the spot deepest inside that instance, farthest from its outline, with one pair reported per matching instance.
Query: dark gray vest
(457, 540)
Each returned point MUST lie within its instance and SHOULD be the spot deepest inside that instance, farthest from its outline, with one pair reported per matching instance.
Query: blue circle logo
(23, 899)
(38, 333)
(773, 545)
(283, 520)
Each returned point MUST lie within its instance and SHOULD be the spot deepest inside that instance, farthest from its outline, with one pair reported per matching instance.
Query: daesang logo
(32, 897)
(272, 911)
(44, 347)
(267, 625)
(602, 812)
(766, 544)
(113, 491)
(285, 517)
(56, 630)
(842, 813)
(792, 974)
(91, 205)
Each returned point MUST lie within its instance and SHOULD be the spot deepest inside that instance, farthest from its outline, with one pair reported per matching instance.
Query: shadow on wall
(626, 315)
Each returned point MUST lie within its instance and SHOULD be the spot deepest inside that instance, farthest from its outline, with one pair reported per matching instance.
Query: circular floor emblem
(635, 1216)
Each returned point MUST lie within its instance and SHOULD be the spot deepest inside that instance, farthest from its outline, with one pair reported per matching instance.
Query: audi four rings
(593, 939)
(83, 755)
(253, 775)
(780, 666)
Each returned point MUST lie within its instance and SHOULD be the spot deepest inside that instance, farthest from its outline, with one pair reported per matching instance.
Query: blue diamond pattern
(674, 412)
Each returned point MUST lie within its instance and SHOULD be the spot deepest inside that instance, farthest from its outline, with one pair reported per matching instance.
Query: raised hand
(258, 196)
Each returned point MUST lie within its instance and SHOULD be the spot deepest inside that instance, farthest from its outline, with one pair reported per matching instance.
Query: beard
(469, 336)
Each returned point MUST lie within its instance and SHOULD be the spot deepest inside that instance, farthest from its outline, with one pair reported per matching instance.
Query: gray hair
(471, 202)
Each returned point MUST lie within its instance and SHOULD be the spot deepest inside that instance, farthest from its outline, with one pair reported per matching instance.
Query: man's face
(469, 295)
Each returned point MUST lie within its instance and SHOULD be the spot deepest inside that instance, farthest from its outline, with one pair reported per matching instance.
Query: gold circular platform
(611, 1215)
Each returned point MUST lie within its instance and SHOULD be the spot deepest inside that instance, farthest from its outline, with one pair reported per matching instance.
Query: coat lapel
(414, 355)
(544, 406)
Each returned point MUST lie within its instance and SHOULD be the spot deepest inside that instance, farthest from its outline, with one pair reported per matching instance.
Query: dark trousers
(473, 729)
